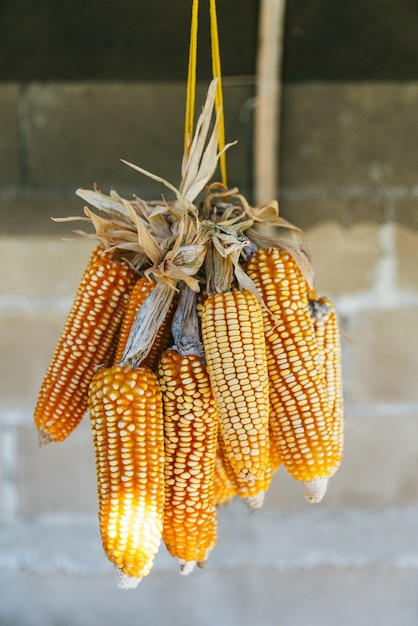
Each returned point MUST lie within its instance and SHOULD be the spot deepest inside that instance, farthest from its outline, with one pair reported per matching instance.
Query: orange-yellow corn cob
(275, 458)
(253, 493)
(298, 395)
(224, 489)
(201, 297)
(86, 342)
(327, 333)
(190, 431)
(233, 338)
(128, 434)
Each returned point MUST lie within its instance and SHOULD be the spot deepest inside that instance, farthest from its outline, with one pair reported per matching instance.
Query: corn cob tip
(315, 489)
(44, 437)
(124, 581)
(255, 502)
(186, 567)
(248, 477)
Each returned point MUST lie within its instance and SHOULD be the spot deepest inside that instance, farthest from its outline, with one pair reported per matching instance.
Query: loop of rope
(191, 81)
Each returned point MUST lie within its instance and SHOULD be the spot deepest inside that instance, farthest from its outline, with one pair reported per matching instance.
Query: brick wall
(56, 138)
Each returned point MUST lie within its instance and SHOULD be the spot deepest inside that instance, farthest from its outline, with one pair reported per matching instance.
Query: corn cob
(87, 341)
(127, 425)
(252, 493)
(329, 344)
(190, 429)
(224, 489)
(275, 458)
(201, 297)
(233, 338)
(299, 402)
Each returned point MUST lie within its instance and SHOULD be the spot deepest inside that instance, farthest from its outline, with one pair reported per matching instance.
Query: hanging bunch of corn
(189, 411)
(204, 355)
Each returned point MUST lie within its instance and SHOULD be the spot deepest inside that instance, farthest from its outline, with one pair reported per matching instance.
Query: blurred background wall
(85, 84)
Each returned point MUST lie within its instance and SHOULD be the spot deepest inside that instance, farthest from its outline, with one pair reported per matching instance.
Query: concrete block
(383, 359)
(319, 567)
(344, 259)
(322, 596)
(57, 478)
(338, 134)
(405, 210)
(9, 134)
(406, 241)
(378, 469)
(28, 340)
(30, 214)
(78, 132)
(306, 210)
(42, 267)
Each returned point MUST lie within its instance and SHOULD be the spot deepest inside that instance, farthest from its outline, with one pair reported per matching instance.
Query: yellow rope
(191, 77)
(191, 82)
(216, 71)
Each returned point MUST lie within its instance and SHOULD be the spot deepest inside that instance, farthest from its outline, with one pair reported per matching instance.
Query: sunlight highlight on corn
(127, 425)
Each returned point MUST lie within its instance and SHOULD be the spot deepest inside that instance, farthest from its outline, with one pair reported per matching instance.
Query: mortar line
(355, 192)
(12, 417)
(10, 303)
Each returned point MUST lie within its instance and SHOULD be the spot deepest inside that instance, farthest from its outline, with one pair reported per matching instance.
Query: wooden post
(268, 100)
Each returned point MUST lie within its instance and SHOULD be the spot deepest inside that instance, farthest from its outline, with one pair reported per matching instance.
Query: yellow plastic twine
(191, 78)
(191, 82)
(216, 72)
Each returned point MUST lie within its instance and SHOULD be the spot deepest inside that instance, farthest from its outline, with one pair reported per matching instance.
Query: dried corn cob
(252, 493)
(233, 338)
(298, 395)
(127, 425)
(275, 457)
(190, 429)
(224, 489)
(87, 341)
(329, 344)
